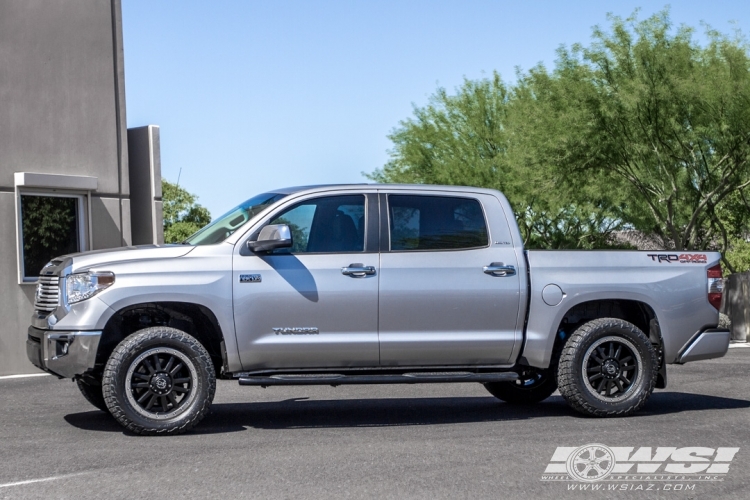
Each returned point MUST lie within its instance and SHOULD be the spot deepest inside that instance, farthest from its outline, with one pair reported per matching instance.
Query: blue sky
(256, 95)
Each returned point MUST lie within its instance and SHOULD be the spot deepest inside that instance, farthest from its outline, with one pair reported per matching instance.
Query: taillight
(715, 285)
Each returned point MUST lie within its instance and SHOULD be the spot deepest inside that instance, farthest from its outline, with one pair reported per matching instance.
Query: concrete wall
(62, 111)
(735, 303)
(146, 214)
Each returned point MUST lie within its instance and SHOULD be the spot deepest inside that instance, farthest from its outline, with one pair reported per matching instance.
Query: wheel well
(193, 319)
(633, 311)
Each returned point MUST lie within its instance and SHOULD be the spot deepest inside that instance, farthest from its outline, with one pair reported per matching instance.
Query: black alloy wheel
(159, 380)
(612, 368)
(607, 368)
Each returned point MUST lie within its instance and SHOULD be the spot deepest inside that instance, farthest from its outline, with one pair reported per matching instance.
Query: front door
(315, 304)
(438, 304)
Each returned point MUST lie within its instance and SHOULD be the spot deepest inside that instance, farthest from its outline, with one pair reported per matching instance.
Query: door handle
(357, 270)
(499, 269)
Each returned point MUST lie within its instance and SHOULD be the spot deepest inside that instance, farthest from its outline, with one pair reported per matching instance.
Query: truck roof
(425, 187)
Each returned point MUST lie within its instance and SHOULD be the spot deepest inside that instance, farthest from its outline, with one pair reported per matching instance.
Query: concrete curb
(6, 377)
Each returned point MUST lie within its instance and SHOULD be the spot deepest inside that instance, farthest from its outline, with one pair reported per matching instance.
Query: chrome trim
(304, 330)
(69, 353)
(358, 270)
(499, 269)
(47, 296)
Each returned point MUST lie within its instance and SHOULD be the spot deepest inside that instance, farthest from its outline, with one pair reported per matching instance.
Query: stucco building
(72, 176)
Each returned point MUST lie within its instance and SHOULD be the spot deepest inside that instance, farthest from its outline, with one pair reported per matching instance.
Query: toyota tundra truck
(370, 284)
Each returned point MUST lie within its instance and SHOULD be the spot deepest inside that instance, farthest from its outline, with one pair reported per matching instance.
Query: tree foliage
(49, 228)
(667, 117)
(182, 215)
(468, 139)
(643, 129)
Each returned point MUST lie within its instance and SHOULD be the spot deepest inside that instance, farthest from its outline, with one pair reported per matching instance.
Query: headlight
(82, 286)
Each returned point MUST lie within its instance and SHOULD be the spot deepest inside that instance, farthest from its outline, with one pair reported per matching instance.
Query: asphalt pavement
(400, 441)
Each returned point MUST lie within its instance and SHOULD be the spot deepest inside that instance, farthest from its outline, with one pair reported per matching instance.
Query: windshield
(220, 229)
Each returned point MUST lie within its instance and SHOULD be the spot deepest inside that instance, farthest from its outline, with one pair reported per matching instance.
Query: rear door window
(435, 223)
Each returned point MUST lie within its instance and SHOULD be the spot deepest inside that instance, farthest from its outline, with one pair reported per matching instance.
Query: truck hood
(101, 258)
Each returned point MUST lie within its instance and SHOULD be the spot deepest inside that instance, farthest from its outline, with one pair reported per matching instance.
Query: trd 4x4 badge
(683, 258)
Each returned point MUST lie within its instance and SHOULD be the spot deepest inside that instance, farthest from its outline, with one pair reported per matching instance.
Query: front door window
(332, 224)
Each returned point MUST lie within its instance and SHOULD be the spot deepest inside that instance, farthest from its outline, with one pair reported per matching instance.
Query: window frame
(83, 221)
(385, 221)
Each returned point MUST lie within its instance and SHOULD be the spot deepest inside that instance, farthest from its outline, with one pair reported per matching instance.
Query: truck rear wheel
(607, 368)
(531, 388)
(159, 380)
(93, 394)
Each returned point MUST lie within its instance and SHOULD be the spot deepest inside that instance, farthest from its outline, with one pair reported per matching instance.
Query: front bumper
(708, 344)
(61, 353)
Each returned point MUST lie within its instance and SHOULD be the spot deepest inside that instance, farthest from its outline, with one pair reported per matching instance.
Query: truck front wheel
(530, 388)
(159, 380)
(607, 368)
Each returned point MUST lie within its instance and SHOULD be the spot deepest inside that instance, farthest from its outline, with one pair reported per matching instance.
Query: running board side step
(335, 379)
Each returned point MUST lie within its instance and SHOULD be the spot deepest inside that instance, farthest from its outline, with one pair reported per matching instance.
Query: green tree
(643, 129)
(182, 215)
(665, 118)
(470, 139)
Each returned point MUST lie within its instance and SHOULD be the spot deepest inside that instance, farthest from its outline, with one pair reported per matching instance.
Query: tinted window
(49, 228)
(435, 223)
(325, 225)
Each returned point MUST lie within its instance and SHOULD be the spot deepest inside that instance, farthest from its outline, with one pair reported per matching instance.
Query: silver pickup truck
(370, 284)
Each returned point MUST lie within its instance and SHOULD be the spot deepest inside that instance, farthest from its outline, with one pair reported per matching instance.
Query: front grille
(47, 293)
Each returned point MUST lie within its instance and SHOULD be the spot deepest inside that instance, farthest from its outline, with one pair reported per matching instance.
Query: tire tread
(132, 344)
(566, 375)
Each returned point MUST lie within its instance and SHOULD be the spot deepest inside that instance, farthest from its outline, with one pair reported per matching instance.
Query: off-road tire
(124, 365)
(93, 394)
(527, 390)
(573, 375)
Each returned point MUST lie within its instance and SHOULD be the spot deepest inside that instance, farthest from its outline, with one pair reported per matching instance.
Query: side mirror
(271, 238)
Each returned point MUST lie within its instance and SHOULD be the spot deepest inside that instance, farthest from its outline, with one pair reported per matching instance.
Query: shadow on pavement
(93, 421)
(302, 413)
(664, 403)
(374, 413)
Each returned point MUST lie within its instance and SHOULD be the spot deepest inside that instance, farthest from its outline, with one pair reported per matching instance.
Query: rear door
(449, 286)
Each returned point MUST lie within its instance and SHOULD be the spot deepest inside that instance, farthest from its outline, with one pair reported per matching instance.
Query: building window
(50, 225)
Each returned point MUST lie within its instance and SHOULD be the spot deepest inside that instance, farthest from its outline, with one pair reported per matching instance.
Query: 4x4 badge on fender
(250, 278)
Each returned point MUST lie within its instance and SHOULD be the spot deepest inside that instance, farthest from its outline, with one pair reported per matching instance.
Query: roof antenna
(178, 177)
